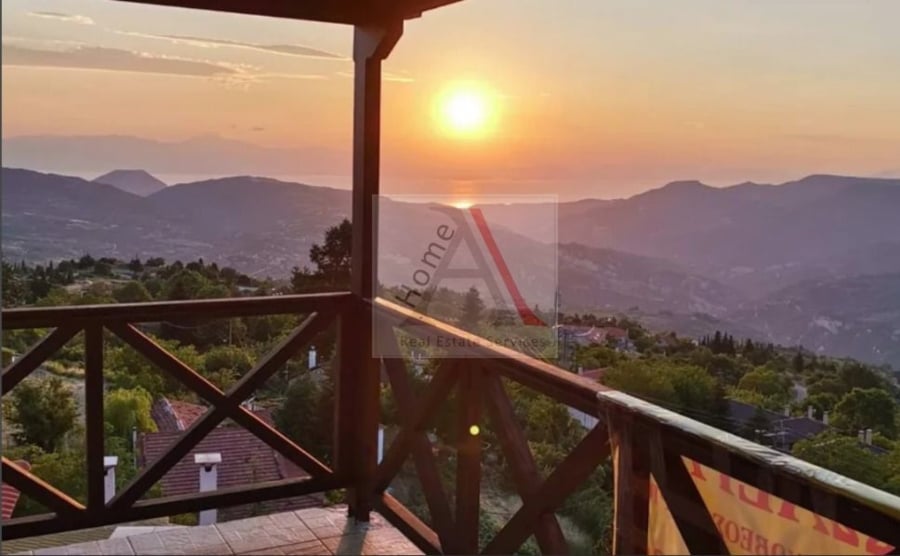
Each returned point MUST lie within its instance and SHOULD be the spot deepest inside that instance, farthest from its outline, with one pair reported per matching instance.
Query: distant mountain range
(209, 155)
(813, 262)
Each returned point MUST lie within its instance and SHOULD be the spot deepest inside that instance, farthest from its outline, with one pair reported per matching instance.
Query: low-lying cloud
(59, 16)
(280, 49)
(112, 59)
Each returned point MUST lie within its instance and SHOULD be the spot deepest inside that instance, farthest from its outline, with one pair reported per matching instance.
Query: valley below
(814, 262)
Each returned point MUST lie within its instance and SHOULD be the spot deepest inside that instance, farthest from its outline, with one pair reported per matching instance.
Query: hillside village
(835, 412)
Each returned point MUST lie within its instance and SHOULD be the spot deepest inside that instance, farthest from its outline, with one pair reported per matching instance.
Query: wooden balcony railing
(681, 487)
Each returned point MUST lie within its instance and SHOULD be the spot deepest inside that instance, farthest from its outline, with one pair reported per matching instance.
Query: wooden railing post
(93, 415)
(632, 488)
(468, 459)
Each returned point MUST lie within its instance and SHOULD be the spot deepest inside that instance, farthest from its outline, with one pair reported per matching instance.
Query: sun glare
(465, 111)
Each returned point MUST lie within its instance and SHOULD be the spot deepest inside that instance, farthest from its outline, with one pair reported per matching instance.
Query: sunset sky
(584, 98)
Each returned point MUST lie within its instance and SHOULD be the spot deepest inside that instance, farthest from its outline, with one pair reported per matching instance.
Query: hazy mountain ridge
(757, 228)
(685, 256)
(857, 316)
(138, 182)
(201, 155)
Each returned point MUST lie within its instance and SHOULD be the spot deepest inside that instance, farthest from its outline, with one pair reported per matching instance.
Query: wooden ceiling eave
(348, 12)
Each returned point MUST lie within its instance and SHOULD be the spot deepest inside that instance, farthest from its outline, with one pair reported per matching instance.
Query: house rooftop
(246, 459)
(175, 415)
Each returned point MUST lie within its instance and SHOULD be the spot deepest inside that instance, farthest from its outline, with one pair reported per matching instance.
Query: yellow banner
(751, 521)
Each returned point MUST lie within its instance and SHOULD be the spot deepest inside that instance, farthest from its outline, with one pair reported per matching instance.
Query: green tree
(214, 291)
(124, 409)
(821, 403)
(86, 262)
(7, 356)
(857, 375)
(301, 417)
(13, 287)
(184, 284)
(768, 383)
(332, 258)
(99, 293)
(234, 358)
(684, 388)
(62, 469)
(726, 368)
(132, 292)
(596, 356)
(828, 385)
(268, 328)
(641, 378)
(757, 427)
(869, 408)
(472, 309)
(591, 509)
(798, 362)
(44, 412)
(844, 455)
(304, 280)
(56, 297)
(102, 269)
(125, 368)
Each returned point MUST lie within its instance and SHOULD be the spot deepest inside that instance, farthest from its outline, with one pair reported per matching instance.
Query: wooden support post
(93, 416)
(358, 377)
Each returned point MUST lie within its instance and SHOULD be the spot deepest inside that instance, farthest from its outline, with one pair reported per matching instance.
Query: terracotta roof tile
(615, 333)
(175, 415)
(10, 495)
(245, 460)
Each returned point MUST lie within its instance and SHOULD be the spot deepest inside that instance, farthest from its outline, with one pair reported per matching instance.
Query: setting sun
(465, 111)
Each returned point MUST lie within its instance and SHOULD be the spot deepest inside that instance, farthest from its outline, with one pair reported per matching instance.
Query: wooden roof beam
(348, 12)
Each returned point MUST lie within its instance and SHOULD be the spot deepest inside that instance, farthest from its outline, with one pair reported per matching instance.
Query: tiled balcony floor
(308, 531)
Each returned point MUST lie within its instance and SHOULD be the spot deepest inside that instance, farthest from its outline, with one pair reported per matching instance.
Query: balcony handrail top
(558, 383)
(155, 311)
(571, 389)
(763, 456)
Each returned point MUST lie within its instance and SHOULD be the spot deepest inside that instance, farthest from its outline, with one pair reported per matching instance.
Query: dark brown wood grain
(565, 479)
(37, 354)
(157, 311)
(225, 405)
(521, 462)
(93, 415)
(423, 456)
(415, 530)
(468, 459)
(439, 388)
(33, 486)
(677, 488)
